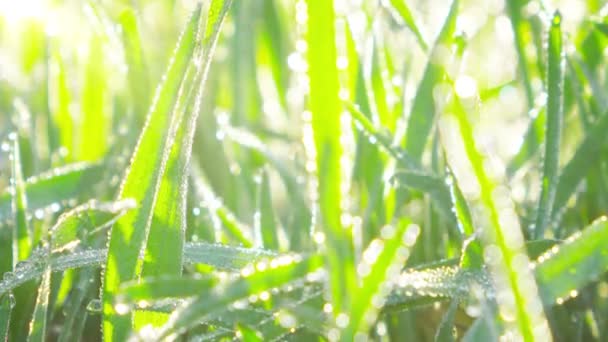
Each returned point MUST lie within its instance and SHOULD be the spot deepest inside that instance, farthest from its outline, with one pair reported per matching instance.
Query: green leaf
(428, 183)
(567, 267)
(555, 113)
(141, 182)
(422, 115)
(326, 108)
(381, 261)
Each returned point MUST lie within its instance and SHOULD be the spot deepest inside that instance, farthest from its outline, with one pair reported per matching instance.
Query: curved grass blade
(406, 15)
(77, 224)
(222, 257)
(382, 261)
(141, 182)
(55, 187)
(555, 112)
(38, 325)
(423, 110)
(506, 258)
(211, 300)
(567, 267)
(326, 108)
(166, 237)
(22, 235)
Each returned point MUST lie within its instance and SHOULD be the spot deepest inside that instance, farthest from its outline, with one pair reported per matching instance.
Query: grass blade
(423, 110)
(60, 98)
(38, 325)
(137, 73)
(265, 225)
(95, 119)
(514, 10)
(6, 306)
(326, 108)
(128, 236)
(166, 237)
(406, 15)
(55, 187)
(579, 165)
(567, 267)
(74, 227)
(555, 112)
(506, 258)
(381, 261)
(205, 303)
(445, 332)
(22, 236)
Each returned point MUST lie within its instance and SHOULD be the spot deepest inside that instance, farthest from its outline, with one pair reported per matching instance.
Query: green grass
(269, 170)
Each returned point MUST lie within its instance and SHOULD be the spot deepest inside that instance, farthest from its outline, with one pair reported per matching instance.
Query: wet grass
(278, 170)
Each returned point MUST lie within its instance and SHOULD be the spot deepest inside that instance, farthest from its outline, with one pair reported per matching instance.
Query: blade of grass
(579, 165)
(222, 257)
(207, 302)
(141, 182)
(514, 10)
(569, 266)
(137, 72)
(326, 108)
(22, 234)
(95, 119)
(55, 187)
(38, 324)
(60, 98)
(507, 259)
(6, 306)
(445, 332)
(381, 261)
(168, 226)
(423, 110)
(265, 225)
(555, 112)
(406, 15)
(73, 227)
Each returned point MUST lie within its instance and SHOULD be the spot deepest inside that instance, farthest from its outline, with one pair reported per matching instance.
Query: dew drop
(94, 306)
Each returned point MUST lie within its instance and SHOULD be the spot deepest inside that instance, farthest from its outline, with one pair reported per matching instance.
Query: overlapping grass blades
(141, 182)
